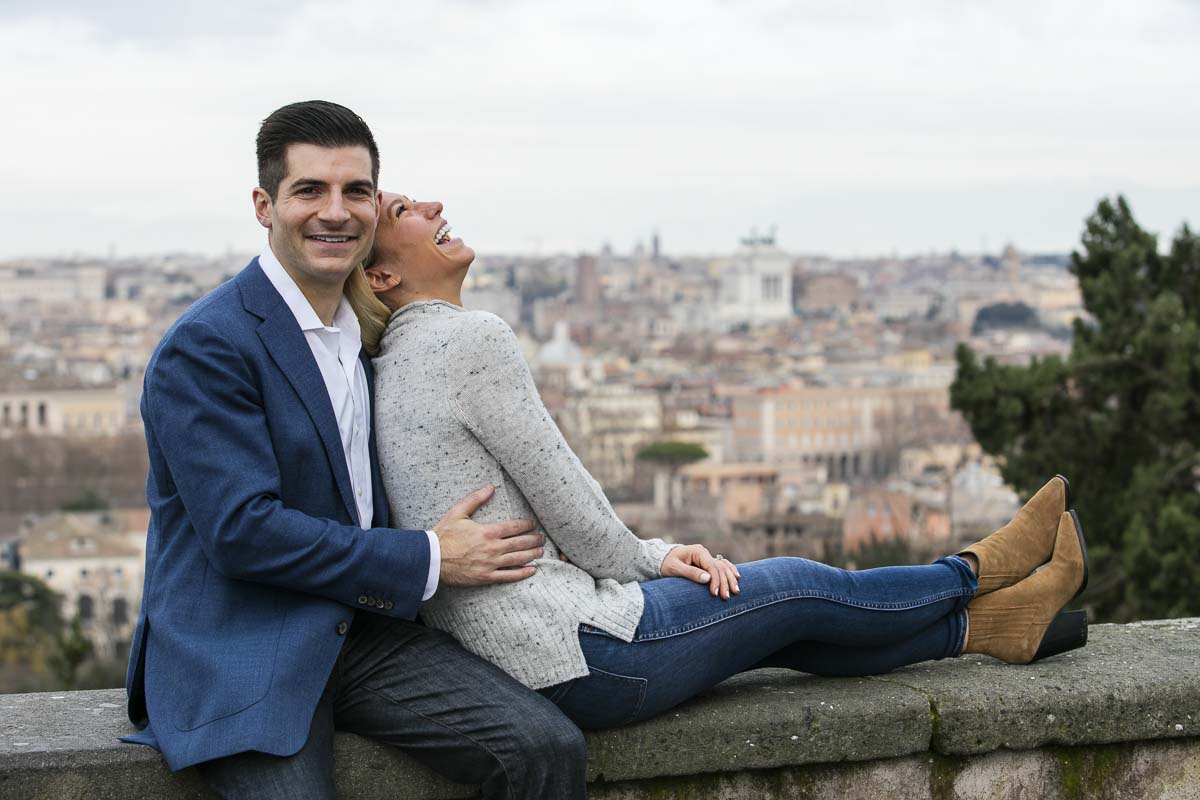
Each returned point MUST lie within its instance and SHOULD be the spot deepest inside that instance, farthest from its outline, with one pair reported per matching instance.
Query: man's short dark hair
(311, 122)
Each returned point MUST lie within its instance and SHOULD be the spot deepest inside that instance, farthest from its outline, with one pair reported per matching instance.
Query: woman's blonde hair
(372, 314)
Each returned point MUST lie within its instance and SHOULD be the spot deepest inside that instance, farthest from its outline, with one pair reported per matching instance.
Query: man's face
(322, 221)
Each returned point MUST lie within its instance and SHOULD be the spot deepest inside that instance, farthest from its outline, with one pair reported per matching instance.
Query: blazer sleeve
(204, 411)
(492, 392)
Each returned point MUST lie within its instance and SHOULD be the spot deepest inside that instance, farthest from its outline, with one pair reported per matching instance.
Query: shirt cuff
(435, 565)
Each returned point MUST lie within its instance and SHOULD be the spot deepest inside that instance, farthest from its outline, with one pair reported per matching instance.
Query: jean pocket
(603, 699)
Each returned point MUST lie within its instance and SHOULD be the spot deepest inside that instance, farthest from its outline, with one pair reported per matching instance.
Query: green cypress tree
(1120, 416)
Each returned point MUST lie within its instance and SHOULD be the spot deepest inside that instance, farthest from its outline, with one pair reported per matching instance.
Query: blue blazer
(255, 563)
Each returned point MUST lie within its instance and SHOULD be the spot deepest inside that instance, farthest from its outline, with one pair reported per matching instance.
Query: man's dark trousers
(414, 687)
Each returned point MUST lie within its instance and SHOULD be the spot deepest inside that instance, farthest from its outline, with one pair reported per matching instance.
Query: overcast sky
(856, 128)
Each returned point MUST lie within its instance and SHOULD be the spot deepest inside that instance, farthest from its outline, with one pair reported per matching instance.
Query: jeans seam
(439, 723)
(643, 688)
(798, 595)
(960, 618)
(560, 691)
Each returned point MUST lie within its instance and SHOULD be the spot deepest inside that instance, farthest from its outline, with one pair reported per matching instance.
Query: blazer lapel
(289, 349)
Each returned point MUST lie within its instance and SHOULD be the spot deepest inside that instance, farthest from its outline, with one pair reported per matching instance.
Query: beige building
(746, 490)
(88, 412)
(855, 432)
(939, 457)
(878, 515)
(917, 360)
(21, 284)
(766, 511)
(96, 561)
(828, 292)
(746, 511)
(606, 426)
(787, 533)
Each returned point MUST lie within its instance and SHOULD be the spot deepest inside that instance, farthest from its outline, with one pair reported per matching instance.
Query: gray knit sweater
(456, 408)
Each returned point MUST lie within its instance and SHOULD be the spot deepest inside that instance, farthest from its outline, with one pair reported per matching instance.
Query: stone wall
(1119, 719)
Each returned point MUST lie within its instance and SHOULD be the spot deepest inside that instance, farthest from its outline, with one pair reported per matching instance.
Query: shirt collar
(344, 318)
(347, 321)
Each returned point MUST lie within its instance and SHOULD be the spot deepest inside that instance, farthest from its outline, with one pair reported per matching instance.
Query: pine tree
(1120, 416)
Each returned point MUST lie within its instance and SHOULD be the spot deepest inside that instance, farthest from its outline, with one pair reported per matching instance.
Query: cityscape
(859, 284)
(761, 401)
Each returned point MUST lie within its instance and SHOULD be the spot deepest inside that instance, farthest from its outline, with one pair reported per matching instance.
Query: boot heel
(1068, 631)
(1083, 549)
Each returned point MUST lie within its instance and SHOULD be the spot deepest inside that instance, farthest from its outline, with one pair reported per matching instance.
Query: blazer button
(379, 604)
(388, 605)
(342, 627)
(362, 599)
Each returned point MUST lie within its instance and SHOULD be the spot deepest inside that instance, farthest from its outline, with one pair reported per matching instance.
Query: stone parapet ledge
(1120, 718)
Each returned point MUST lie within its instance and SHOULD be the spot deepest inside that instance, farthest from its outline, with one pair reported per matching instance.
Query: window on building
(87, 608)
(41, 415)
(772, 288)
(120, 611)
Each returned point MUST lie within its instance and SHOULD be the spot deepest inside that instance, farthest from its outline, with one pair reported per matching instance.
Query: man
(277, 607)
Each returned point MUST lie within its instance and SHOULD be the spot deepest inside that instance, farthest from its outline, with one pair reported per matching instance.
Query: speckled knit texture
(455, 409)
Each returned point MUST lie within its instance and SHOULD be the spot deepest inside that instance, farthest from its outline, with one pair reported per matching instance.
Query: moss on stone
(1070, 774)
(1087, 772)
(935, 717)
(943, 772)
(792, 782)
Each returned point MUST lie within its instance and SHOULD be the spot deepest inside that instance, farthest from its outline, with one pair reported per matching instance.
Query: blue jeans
(791, 613)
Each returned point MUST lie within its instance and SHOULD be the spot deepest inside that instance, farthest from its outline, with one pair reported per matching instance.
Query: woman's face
(414, 240)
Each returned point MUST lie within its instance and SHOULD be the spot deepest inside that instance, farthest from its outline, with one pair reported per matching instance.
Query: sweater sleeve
(492, 392)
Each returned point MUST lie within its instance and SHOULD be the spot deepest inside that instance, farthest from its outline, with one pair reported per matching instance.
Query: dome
(560, 350)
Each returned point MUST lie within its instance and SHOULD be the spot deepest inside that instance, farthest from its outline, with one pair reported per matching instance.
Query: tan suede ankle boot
(1025, 543)
(1022, 623)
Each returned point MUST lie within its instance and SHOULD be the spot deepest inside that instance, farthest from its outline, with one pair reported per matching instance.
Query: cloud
(602, 116)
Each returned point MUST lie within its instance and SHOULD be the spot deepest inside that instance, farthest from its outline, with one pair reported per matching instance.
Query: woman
(625, 628)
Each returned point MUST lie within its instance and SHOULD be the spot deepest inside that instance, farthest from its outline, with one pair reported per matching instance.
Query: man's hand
(478, 555)
(695, 563)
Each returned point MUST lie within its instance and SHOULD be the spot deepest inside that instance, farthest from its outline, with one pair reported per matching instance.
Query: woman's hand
(695, 563)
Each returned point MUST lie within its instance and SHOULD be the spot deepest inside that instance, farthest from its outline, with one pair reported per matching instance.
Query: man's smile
(332, 242)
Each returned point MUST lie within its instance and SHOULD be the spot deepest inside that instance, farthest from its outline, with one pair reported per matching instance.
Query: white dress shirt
(336, 348)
